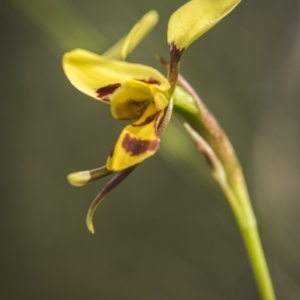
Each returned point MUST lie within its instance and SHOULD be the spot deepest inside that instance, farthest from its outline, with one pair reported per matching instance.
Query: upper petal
(101, 78)
(121, 49)
(196, 17)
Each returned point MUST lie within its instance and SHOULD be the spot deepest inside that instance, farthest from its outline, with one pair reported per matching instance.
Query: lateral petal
(102, 78)
(137, 141)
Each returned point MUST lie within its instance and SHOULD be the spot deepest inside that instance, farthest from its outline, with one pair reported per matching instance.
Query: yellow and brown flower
(138, 92)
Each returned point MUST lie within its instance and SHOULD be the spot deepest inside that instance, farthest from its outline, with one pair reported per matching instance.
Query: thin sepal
(113, 183)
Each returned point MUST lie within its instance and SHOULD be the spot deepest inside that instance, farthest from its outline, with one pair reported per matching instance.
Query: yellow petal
(136, 34)
(137, 141)
(196, 17)
(103, 78)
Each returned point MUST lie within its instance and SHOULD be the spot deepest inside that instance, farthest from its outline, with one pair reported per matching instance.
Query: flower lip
(137, 141)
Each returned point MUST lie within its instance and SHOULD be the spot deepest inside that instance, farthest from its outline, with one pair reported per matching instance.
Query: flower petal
(103, 78)
(121, 49)
(196, 17)
(137, 141)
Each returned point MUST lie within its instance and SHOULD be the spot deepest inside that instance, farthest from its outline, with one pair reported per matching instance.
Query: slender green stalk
(258, 262)
(248, 228)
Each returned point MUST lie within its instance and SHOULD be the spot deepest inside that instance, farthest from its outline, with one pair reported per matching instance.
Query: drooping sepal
(114, 182)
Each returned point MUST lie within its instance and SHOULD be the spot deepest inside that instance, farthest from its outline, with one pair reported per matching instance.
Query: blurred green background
(167, 232)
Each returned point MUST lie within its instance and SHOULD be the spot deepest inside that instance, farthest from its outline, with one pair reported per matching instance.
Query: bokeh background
(167, 232)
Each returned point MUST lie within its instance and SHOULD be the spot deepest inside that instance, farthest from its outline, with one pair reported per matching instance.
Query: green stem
(248, 228)
(258, 262)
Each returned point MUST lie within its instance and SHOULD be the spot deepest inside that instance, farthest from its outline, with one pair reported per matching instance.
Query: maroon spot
(138, 146)
(111, 154)
(147, 121)
(175, 53)
(150, 81)
(107, 90)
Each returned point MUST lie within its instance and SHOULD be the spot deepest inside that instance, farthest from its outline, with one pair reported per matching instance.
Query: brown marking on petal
(137, 147)
(107, 90)
(137, 108)
(112, 152)
(147, 121)
(150, 81)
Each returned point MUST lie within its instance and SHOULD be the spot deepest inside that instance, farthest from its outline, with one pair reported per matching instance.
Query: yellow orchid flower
(138, 92)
